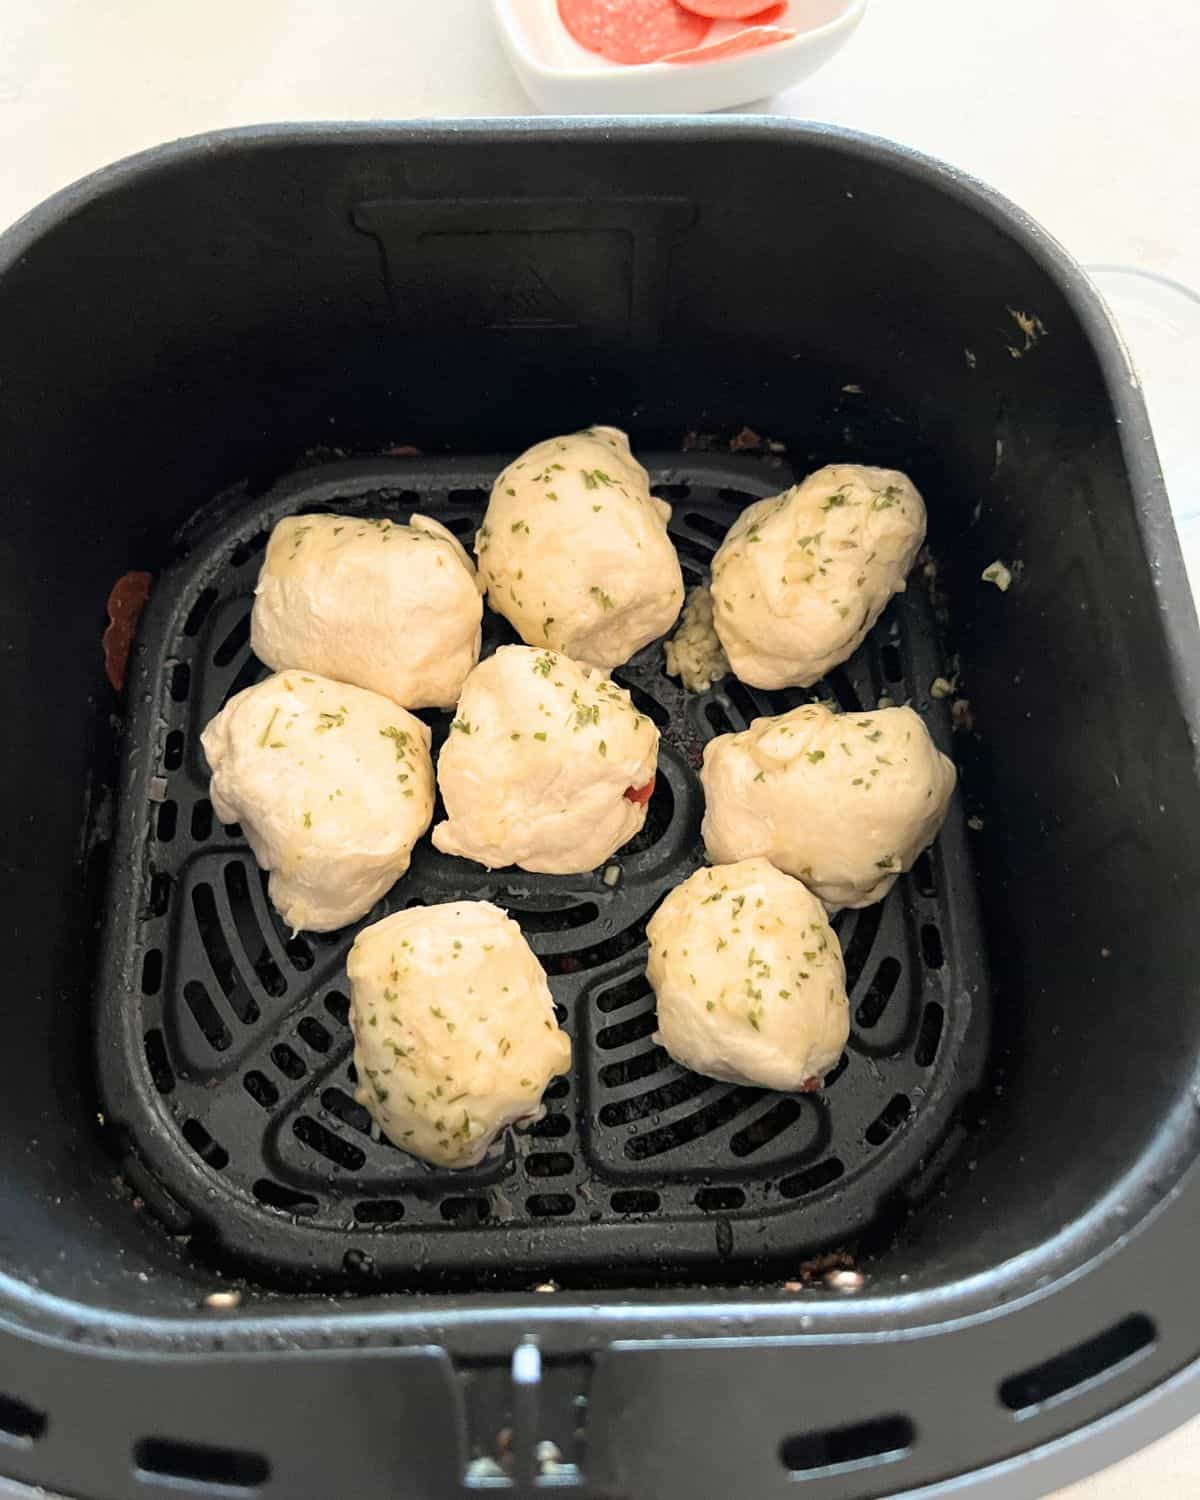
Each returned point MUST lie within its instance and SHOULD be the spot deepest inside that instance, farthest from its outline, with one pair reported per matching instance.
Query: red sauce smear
(640, 795)
(125, 605)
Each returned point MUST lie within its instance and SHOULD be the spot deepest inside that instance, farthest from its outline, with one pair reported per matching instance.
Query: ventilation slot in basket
(635, 1201)
(313, 1034)
(275, 1195)
(469, 1210)
(550, 1205)
(801, 1183)
(168, 815)
(288, 1061)
(875, 1001)
(898, 1110)
(718, 1199)
(199, 611)
(221, 960)
(549, 1164)
(173, 751)
(681, 1089)
(204, 1146)
(20, 1422)
(261, 1089)
(761, 1132)
(152, 967)
(341, 1153)
(253, 939)
(1083, 1366)
(682, 1132)
(347, 1110)
(931, 946)
(198, 1464)
(338, 1007)
(838, 1450)
(207, 1016)
(930, 1035)
(379, 1211)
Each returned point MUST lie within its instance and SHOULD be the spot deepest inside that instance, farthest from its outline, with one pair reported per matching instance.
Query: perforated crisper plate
(224, 1050)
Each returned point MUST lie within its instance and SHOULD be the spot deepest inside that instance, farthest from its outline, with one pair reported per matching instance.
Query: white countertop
(1085, 112)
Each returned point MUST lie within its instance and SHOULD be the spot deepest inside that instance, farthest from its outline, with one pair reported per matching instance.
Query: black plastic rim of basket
(223, 1047)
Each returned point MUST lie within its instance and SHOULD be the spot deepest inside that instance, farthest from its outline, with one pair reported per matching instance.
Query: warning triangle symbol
(528, 301)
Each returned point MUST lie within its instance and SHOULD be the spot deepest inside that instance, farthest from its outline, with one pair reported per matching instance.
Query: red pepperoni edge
(632, 31)
(811, 1085)
(125, 604)
(640, 795)
(732, 10)
(747, 40)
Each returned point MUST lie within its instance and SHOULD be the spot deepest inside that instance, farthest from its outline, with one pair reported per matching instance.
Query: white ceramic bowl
(563, 78)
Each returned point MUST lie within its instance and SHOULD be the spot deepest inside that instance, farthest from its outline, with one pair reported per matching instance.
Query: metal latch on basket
(526, 1460)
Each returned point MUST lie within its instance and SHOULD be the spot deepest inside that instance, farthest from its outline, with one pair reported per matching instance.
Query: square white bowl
(563, 78)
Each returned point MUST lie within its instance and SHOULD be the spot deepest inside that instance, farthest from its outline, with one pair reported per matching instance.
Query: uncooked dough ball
(749, 977)
(844, 802)
(574, 550)
(332, 786)
(454, 1029)
(802, 577)
(548, 765)
(396, 609)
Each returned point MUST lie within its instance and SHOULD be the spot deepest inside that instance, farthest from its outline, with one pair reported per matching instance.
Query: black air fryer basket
(968, 1260)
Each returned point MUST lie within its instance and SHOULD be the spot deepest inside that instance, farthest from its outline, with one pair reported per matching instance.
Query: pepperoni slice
(749, 39)
(640, 795)
(731, 10)
(811, 1085)
(633, 31)
(125, 604)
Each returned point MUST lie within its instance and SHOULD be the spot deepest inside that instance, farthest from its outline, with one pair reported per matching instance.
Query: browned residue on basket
(820, 1265)
(126, 601)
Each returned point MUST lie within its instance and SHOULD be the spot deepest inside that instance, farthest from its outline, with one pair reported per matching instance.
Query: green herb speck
(266, 734)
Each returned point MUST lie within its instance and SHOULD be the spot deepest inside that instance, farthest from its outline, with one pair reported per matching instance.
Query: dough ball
(548, 765)
(454, 1029)
(574, 550)
(332, 785)
(802, 577)
(396, 609)
(749, 978)
(844, 802)
(694, 653)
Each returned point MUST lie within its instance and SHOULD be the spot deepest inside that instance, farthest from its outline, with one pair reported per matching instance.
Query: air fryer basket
(211, 1274)
(224, 1048)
